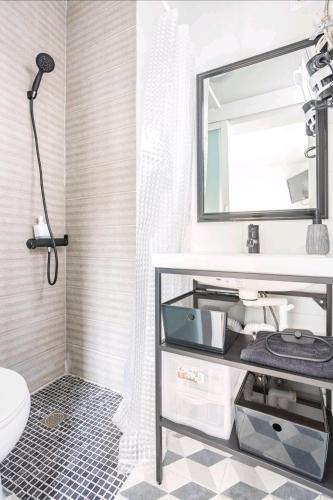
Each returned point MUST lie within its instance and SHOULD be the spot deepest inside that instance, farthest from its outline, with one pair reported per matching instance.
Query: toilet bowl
(14, 411)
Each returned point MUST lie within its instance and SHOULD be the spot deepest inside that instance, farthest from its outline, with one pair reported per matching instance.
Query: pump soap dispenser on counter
(317, 238)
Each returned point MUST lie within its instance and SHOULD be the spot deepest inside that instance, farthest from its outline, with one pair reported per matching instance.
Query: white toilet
(14, 411)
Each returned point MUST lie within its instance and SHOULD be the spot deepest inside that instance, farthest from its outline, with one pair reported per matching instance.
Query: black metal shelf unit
(232, 359)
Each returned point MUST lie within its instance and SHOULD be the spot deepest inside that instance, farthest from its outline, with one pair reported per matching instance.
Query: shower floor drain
(53, 419)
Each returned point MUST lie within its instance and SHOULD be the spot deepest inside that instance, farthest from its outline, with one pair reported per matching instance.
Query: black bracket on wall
(47, 242)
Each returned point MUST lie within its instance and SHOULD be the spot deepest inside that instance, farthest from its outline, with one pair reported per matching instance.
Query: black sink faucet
(252, 243)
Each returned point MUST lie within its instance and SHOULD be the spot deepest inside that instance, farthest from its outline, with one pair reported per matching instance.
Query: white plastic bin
(199, 393)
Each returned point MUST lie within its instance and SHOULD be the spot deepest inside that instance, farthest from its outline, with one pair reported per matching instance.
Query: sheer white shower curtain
(163, 213)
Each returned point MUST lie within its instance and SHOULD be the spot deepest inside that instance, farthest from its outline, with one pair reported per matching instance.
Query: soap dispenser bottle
(41, 229)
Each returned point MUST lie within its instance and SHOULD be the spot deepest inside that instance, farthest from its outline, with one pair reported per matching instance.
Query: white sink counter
(294, 265)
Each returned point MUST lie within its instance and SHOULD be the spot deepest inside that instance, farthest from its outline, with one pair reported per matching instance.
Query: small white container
(199, 393)
(41, 229)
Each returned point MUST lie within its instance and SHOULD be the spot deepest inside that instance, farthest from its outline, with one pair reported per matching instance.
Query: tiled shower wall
(100, 145)
(32, 314)
(101, 69)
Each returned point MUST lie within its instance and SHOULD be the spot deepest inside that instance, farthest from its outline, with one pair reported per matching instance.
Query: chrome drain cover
(53, 419)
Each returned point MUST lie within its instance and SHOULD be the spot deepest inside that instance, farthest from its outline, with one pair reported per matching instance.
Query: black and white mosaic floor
(76, 459)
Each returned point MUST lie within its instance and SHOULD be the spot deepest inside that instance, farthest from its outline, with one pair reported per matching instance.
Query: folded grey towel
(257, 353)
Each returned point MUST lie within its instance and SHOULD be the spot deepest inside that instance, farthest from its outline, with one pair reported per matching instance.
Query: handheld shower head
(45, 64)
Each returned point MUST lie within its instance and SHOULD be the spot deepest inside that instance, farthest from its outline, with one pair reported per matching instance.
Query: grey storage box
(201, 320)
(295, 437)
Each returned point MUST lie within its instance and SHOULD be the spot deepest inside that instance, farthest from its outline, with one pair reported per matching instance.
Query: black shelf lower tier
(231, 446)
(232, 359)
(33, 243)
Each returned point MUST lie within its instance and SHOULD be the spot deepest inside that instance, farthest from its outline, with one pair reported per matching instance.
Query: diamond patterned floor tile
(294, 491)
(239, 472)
(218, 472)
(171, 457)
(269, 479)
(171, 481)
(202, 475)
(146, 473)
(173, 443)
(206, 457)
(190, 446)
(243, 491)
(180, 467)
(143, 491)
(219, 452)
(198, 472)
(193, 491)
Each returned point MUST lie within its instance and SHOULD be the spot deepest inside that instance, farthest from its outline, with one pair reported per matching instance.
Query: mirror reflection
(255, 137)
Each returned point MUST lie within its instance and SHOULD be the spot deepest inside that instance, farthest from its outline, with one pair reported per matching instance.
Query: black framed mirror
(251, 140)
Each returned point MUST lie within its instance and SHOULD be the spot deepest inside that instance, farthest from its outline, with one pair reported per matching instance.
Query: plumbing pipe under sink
(280, 302)
(253, 328)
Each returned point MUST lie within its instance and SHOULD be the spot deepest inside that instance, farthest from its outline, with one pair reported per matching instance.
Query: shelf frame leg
(329, 334)
(158, 375)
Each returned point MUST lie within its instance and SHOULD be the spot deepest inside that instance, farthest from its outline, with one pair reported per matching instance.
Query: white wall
(227, 31)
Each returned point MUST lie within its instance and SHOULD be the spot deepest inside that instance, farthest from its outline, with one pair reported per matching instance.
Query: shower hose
(55, 276)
